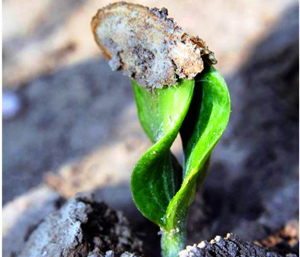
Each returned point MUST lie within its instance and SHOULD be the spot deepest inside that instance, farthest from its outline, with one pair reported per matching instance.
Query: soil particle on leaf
(83, 227)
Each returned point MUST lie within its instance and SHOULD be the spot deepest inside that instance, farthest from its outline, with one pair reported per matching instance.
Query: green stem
(172, 242)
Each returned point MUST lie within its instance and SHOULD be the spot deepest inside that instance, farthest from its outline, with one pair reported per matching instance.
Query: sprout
(156, 54)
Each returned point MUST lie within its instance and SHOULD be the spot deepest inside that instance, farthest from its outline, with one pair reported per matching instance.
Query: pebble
(11, 105)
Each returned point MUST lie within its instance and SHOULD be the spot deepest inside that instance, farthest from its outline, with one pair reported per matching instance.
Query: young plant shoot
(177, 91)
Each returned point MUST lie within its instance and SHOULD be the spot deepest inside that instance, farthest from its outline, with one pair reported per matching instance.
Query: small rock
(11, 105)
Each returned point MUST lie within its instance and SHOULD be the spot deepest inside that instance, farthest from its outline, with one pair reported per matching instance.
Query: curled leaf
(155, 178)
(202, 128)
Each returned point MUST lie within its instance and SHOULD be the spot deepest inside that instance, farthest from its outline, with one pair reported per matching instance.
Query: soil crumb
(231, 245)
(83, 227)
(148, 45)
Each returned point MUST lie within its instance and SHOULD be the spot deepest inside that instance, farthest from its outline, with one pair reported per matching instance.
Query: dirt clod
(82, 227)
(231, 245)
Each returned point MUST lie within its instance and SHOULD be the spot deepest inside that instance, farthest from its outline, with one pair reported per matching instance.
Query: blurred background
(70, 123)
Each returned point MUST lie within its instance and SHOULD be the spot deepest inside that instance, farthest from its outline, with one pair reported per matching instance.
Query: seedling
(177, 91)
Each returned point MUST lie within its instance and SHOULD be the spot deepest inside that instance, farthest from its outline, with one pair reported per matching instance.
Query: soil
(231, 246)
(82, 227)
(47, 131)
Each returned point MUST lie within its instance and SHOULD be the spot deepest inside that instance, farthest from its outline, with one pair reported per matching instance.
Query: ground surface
(77, 127)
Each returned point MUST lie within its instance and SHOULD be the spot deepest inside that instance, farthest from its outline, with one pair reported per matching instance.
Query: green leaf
(202, 128)
(156, 177)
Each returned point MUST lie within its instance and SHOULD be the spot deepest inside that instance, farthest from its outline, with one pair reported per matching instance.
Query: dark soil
(82, 227)
(65, 116)
(230, 246)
